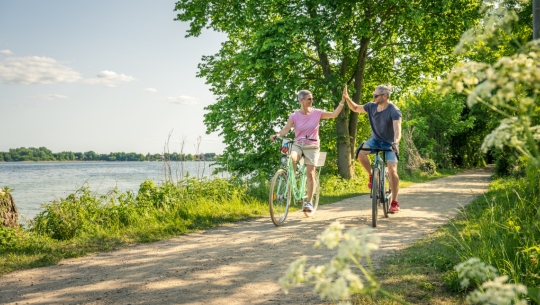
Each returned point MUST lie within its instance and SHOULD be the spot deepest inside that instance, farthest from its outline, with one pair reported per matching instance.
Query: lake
(35, 183)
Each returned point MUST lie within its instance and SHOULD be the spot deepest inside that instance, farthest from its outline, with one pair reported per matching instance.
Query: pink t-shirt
(306, 125)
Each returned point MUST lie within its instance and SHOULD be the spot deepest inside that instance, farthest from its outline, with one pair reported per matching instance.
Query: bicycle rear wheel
(315, 200)
(280, 197)
(387, 193)
(375, 195)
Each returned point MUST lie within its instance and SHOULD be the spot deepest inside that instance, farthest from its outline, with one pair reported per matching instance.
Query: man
(385, 121)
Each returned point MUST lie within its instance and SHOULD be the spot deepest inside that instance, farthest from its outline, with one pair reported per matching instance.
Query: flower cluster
(475, 270)
(509, 132)
(498, 291)
(339, 279)
(494, 289)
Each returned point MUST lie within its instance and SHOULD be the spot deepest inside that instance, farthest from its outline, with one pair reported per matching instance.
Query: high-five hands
(345, 94)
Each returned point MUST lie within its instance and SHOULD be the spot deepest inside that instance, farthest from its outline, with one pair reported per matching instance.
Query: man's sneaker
(394, 207)
(308, 207)
(370, 181)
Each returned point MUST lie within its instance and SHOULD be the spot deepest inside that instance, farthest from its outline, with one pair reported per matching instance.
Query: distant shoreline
(83, 161)
(42, 154)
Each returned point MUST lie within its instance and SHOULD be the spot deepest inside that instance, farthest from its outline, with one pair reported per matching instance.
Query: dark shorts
(372, 143)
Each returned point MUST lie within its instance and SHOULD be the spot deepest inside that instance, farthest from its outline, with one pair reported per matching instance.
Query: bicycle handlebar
(306, 137)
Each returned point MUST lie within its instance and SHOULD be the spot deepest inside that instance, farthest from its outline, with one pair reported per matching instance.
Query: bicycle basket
(286, 146)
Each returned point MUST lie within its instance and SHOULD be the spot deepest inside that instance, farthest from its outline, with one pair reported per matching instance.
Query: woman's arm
(332, 115)
(284, 131)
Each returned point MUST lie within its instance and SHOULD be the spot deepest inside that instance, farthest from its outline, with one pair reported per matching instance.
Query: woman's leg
(310, 172)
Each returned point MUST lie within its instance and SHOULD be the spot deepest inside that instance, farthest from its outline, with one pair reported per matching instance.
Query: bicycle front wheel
(375, 195)
(315, 200)
(387, 193)
(280, 197)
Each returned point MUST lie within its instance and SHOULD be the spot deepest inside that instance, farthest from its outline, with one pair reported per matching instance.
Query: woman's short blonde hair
(302, 94)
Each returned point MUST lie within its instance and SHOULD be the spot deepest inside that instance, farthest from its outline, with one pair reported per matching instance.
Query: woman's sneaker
(308, 207)
(394, 207)
(370, 181)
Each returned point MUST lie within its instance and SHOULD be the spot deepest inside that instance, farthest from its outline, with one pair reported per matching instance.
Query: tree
(276, 48)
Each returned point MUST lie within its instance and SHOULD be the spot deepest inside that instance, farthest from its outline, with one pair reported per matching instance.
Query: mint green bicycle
(290, 185)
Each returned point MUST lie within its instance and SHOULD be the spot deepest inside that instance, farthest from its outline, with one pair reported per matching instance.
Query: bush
(428, 166)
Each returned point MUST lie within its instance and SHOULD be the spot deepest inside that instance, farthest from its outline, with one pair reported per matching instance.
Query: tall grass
(503, 229)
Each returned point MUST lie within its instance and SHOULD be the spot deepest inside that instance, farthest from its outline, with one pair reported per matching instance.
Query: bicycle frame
(298, 189)
(379, 194)
(380, 163)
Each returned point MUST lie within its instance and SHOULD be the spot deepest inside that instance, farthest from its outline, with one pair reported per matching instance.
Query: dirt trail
(238, 263)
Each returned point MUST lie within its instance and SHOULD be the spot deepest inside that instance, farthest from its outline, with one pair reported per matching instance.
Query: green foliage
(8, 236)
(428, 166)
(274, 49)
(435, 120)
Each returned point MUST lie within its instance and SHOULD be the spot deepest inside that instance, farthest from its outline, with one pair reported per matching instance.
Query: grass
(84, 222)
(501, 228)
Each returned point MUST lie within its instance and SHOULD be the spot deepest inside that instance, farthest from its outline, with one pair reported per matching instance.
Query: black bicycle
(381, 194)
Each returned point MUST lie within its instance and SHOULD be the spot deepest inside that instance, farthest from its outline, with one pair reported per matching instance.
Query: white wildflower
(508, 133)
(498, 292)
(474, 269)
(331, 236)
(294, 274)
(459, 87)
(358, 243)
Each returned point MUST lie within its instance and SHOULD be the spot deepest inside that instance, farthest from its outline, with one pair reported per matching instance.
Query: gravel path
(238, 263)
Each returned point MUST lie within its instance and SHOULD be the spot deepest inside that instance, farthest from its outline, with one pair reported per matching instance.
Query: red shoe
(394, 207)
(370, 181)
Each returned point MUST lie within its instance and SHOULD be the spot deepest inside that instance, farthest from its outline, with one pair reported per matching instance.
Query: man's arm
(355, 107)
(397, 132)
(352, 105)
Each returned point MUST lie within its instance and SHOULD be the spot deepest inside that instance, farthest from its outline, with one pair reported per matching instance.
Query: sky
(106, 76)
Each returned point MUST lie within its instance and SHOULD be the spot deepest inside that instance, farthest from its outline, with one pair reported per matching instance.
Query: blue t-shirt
(382, 127)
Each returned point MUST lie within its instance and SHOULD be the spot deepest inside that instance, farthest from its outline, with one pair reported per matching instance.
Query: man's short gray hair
(302, 94)
(385, 89)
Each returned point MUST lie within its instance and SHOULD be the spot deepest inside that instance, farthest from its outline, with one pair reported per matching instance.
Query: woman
(306, 135)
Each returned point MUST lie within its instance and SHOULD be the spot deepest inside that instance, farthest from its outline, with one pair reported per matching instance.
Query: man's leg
(364, 160)
(394, 186)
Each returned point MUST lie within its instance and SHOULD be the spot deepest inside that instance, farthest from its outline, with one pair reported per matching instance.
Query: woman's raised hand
(345, 93)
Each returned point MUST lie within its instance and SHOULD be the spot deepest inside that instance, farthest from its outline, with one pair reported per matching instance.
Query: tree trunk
(357, 96)
(343, 147)
(8, 210)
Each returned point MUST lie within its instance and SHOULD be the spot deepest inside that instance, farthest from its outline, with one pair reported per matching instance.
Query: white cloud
(8, 52)
(109, 79)
(36, 70)
(150, 90)
(183, 100)
(49, 97)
